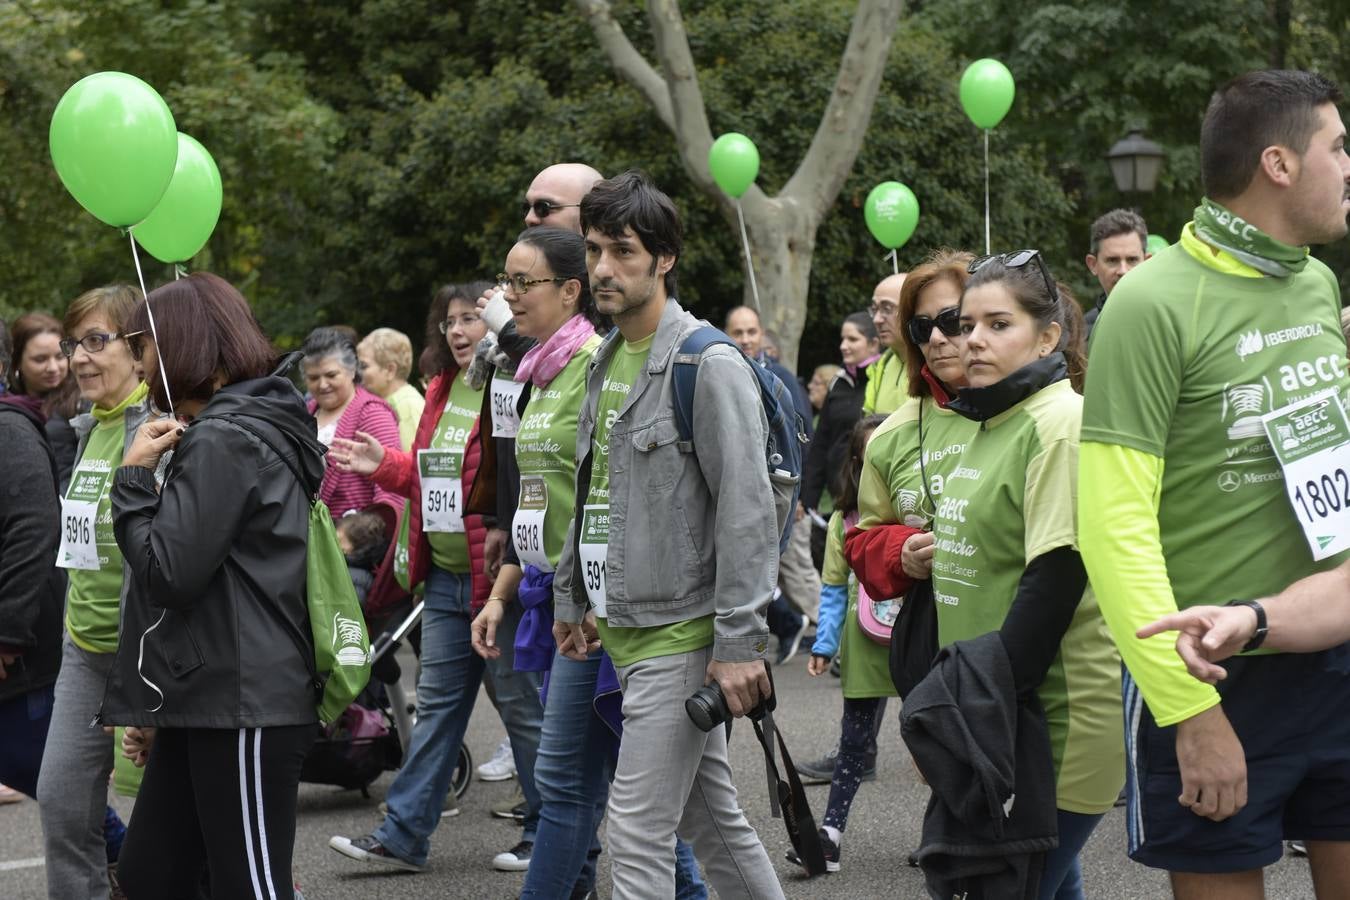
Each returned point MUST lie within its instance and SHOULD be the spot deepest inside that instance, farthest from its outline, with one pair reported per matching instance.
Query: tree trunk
(782, 243)
(781, 230)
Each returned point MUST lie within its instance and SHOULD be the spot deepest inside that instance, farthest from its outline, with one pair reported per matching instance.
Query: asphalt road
(883, 827)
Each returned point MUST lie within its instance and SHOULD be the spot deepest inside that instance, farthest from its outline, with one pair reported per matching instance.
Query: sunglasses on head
(543, 208)
(1016, 260)
(948, 321)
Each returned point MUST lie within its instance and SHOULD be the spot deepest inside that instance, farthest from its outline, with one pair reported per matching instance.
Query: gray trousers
(797, 576)
(72, 788)
(672, 777)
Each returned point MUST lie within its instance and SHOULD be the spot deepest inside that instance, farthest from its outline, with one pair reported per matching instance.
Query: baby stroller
(371, 735)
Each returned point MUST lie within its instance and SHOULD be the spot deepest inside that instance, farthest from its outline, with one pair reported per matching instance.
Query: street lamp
(1135, 162)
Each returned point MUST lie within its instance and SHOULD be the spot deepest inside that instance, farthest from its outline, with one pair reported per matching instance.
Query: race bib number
(78, 547)
(79, 516)
(1311, 439)
(442, 490)
(505, 399)
(594, 550)
(527, 528)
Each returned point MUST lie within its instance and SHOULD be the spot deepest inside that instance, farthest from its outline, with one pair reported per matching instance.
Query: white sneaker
(502, 765)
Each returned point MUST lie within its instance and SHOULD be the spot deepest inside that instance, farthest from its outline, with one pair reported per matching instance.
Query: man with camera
(671, 558)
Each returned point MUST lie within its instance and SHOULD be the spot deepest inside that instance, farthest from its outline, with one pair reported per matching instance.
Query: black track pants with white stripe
(220, 801)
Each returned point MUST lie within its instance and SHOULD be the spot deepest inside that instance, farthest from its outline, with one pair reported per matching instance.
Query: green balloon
(987, 91)
(891, 213)
(734, 161)
(181, 223)
(1156, 243)
(114, 143)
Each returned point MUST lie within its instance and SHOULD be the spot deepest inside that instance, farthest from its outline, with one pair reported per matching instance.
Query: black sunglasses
(543, 208)
(948, 321)
(1016, 260)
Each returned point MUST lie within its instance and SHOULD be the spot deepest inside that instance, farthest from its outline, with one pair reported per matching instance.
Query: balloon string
(154, 332)
(895, 261)
(749, 264)
(987, 249)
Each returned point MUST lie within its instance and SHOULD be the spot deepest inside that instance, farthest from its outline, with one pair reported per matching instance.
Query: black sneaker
(788, 647)
(831, 853)
(821, 771)
(367, 849)
(1296, 848)
(517, 859)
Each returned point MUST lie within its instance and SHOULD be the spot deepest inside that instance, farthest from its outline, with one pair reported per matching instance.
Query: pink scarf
(854, 370)
(544, 361)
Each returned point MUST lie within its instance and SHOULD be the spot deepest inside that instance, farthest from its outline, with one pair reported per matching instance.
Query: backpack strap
(293, 465)
(684, 378)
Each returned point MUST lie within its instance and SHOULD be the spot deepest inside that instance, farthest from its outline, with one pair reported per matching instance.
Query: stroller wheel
(463, 773)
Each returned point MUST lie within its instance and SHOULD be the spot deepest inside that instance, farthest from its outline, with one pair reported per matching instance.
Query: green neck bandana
(1248, 244)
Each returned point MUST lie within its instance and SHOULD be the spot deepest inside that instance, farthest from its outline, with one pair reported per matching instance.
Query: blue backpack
(787, 435)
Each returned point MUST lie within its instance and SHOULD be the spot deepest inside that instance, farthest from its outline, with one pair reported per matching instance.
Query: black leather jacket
(215, 632)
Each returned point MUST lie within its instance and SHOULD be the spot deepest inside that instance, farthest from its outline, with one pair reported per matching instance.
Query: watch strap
(1258, 636)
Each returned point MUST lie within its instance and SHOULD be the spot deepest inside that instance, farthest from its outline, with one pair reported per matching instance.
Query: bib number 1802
(1321, 497)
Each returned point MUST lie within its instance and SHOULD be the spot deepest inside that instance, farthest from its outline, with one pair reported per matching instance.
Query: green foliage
(373, 149)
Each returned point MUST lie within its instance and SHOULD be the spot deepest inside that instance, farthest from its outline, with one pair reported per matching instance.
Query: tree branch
(693, 135)
(627, 61)
(838, 138)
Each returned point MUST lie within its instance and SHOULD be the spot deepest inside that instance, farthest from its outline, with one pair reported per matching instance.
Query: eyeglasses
(521, 285)
(1016, 260)
(95, 341)
(468, 320)
(543, 208)
(883, 309)
(948, 321)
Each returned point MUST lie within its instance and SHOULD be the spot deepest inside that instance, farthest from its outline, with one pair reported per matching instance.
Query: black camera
(708, 707)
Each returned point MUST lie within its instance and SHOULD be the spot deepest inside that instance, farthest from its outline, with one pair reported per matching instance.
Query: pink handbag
(875, 617)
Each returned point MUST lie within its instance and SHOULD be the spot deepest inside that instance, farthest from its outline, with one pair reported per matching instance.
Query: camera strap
(787, 799)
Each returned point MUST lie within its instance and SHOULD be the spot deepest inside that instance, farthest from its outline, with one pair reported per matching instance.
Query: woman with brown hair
(218, 652)
(41, 370)
(73, 784)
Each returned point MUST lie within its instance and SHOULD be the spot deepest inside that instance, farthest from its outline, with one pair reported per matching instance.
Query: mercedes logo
(1229, 481)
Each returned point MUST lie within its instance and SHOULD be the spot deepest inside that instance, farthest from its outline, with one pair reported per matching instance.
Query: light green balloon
(185, 216)
(1156, 243)
(987, 91)
(734, 161)
(114, 144)
(892, 213)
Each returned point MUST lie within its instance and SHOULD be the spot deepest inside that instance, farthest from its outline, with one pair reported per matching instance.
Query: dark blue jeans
(446, 691)
(1062, 878)
(23, 734)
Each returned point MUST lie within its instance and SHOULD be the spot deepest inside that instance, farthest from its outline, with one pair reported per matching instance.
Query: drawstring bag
(340, 666)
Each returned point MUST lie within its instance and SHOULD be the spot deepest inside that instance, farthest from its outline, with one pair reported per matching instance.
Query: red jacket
(398, 473)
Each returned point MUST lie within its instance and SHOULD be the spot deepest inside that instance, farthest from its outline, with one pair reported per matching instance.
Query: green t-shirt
(864, 665)
(1185, 361)
(890, 488)
(1011, 498)
(887, 385)
(450, 549)
(95, 596)
(546, 454)
(407, 404)
(625, 646)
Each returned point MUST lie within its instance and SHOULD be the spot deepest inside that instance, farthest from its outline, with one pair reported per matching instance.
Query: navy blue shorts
(1291, 711)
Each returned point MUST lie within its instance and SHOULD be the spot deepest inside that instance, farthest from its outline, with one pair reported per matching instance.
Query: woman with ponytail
(1006, 551)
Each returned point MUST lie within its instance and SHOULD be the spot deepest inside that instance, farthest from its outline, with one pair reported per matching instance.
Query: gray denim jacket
(692, 532)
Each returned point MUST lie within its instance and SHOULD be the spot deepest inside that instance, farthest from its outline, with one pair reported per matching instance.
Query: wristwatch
(1258, 636)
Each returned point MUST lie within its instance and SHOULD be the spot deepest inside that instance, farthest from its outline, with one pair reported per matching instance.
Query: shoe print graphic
(1243, 406)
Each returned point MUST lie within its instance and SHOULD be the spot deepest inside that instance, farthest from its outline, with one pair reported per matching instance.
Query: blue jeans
(573, 772)
(446, 691)
(1062, 878)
